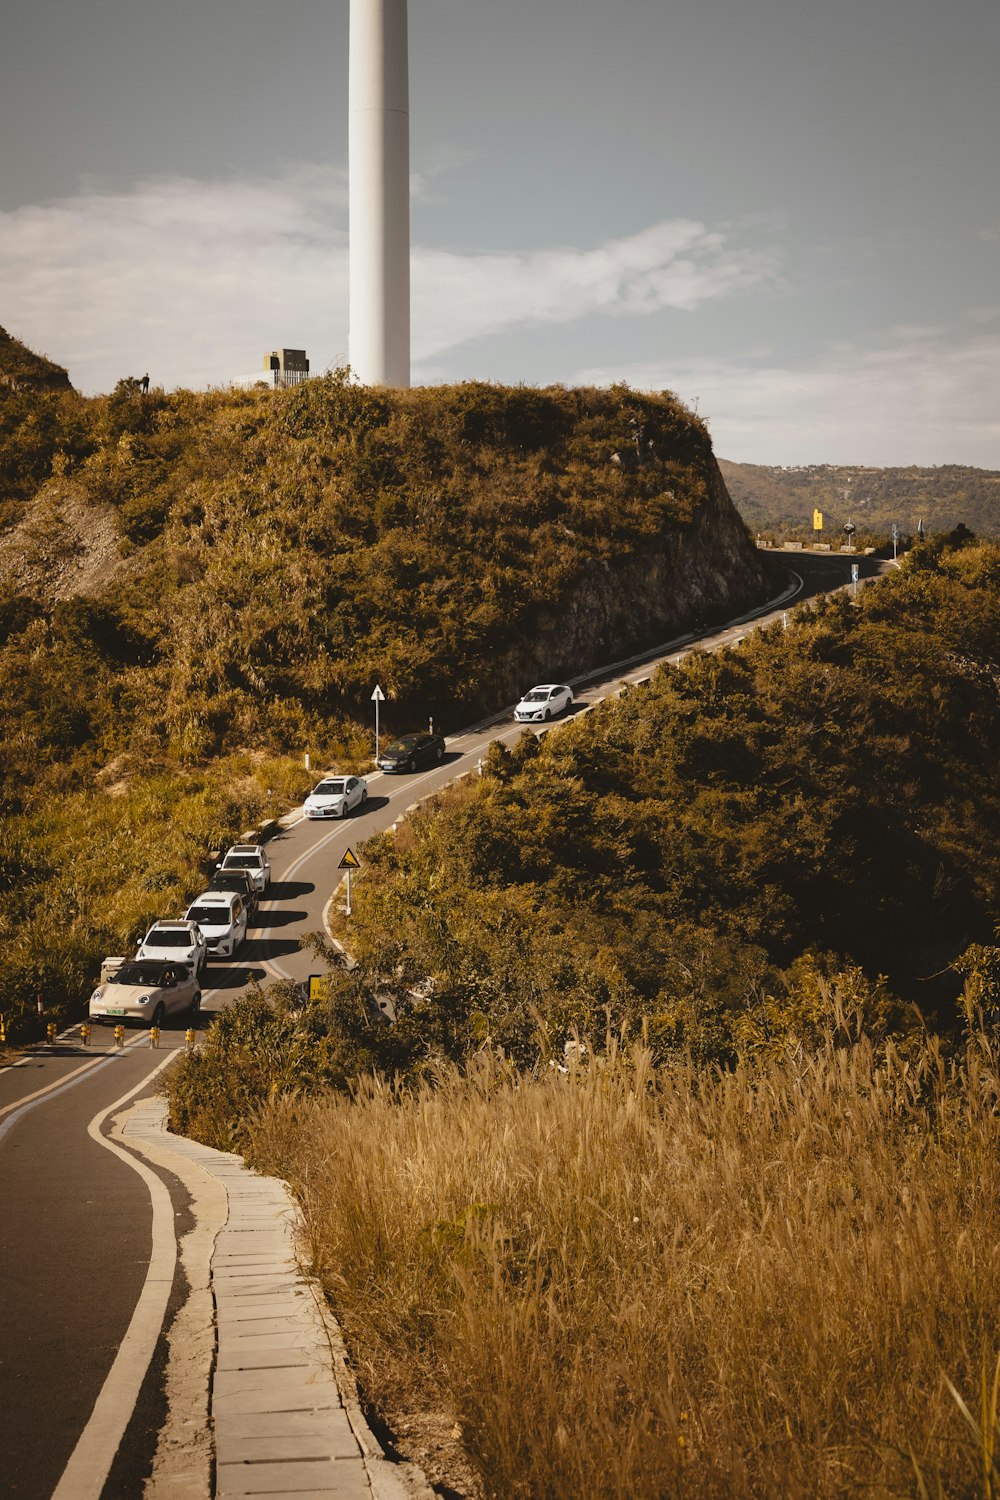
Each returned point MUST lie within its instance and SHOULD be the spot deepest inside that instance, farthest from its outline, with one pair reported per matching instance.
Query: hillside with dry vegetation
(195, 589)
(773, 499)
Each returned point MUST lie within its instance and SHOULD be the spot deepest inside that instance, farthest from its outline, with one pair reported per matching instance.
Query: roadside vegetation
(678, 1172)
(195, 589)
(612, 1278)
(709, 863)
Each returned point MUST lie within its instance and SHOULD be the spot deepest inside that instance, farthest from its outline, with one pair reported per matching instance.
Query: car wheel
(411, 764)
(439, 753)
(364, 798)
(546, 716)
(158, 1015)
(196, 1005)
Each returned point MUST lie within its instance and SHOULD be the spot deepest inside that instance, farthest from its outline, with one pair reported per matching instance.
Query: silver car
(252, 859)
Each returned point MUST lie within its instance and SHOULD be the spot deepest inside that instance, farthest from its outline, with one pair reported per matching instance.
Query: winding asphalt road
(75, 1211)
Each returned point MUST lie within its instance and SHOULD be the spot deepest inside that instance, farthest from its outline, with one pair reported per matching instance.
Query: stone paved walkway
(283, 1425)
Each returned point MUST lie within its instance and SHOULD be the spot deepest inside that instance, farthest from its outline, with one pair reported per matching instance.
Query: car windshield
(147, 974)
(170, 937)
(234, 881)
(537, 695)
(209, 916)
(400, 747)
(243, 861)
(332, 788)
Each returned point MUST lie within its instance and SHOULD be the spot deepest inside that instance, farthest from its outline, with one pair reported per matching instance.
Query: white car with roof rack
(252, 858)
(335, 796)
(177, 942)
(222, 917)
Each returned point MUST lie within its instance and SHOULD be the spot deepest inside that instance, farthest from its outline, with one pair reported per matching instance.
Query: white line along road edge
(90, 1462)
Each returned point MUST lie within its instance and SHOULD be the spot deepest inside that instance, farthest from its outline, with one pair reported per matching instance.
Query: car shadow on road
(269, 919)
(374, 804)
(285, 890)
(256, 951)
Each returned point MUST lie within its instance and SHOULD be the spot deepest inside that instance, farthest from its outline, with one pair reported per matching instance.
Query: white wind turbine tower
(379, 166)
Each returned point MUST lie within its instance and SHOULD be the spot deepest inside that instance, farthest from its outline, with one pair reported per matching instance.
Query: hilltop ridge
(770, 496)
(22, 369)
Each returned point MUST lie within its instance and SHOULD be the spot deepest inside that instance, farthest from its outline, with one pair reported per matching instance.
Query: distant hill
(24, 370)
(770, 497)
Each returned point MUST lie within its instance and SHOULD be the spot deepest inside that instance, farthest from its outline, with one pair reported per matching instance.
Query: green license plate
(110, 1012)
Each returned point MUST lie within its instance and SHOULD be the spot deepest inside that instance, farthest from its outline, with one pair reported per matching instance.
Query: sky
(786, 212)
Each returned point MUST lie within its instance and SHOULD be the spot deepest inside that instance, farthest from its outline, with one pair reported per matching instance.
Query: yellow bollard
(3, 1029)
(119, 1036)
(85, 1033)
(154, 1036)
(189, 1038)
(51, 1032)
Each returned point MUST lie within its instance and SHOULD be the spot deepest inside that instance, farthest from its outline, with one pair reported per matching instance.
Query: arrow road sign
(378, 696)
(350, 861)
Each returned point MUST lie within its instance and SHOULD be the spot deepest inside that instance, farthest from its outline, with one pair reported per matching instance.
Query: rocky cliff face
(704, 571)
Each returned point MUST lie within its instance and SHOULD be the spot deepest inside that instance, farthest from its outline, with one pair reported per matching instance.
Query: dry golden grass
(638, 1284)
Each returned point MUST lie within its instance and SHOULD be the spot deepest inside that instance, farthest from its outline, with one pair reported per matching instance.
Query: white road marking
(85, 1475)
(22, 1106)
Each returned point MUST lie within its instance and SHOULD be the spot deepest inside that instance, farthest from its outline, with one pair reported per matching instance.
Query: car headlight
(97, 994)
(144, 999)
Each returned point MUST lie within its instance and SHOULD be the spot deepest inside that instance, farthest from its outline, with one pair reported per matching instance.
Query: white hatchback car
(249, 857)
(336, 796)
(180, 942)
(222, 917)
(543, 703)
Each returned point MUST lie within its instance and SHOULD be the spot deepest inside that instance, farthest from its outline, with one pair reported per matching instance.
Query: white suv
(249, 857)
(180, 942)
(222, 917)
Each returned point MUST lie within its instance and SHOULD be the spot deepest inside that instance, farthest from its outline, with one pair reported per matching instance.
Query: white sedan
(336, 796)
(543, 703)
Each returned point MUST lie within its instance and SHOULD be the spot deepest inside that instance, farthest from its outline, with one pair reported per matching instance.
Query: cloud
(917, 396)
(193, 280)
(675, 264)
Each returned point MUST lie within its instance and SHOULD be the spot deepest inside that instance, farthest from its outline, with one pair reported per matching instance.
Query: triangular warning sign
(350, 861)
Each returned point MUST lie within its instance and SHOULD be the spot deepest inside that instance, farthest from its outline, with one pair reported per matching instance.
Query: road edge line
(89, 1465)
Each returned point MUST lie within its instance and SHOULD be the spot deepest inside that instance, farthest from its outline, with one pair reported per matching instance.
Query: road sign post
(849, 530)
(895, 539)
(855, 575)
(349, 862)
(377, 697)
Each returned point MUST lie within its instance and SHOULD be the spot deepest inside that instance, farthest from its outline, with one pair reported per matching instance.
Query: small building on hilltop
(281, 367)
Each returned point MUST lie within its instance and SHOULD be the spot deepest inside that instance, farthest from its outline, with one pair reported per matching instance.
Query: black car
(236, 880)
(411, 751)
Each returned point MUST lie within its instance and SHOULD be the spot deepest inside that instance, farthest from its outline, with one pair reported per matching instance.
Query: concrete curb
(285, 1411)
